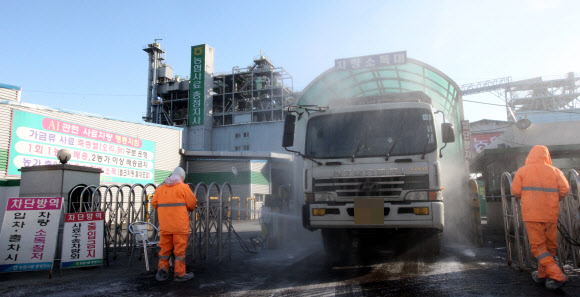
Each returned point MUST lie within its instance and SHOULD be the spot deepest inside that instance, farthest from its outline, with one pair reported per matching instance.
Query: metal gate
(125, 204)
(516, 236)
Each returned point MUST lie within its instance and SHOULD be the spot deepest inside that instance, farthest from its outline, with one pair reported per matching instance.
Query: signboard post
(27, 238)
(466, 137)
(82, 243)
(197, 85)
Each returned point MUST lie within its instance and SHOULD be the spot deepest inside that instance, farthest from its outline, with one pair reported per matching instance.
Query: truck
(371, 164)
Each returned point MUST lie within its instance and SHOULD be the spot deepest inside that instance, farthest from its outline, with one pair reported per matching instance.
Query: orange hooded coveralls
(541, 186)
(172, 201)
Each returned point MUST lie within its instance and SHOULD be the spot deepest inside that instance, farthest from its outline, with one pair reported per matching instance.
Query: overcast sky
(87, 56)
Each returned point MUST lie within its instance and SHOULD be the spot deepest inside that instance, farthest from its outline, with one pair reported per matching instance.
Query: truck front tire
(337, 244)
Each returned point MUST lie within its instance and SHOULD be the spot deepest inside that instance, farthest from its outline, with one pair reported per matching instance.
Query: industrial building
(251, 99)
(220, 128)
(232, 122)
(539, 111)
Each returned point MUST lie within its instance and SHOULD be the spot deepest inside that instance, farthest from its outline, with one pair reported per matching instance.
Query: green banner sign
(197, 85)
(36, 139)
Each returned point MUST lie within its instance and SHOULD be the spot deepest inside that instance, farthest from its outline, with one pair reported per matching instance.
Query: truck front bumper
(396, 216)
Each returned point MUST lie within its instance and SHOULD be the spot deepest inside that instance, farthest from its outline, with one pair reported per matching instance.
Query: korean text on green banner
(36, 139)
(197, 85)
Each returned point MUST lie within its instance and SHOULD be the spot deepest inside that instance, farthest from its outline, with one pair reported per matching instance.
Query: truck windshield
(371, 134)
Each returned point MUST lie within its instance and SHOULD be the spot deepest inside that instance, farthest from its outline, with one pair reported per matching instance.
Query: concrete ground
(118, 278)
(299, 269)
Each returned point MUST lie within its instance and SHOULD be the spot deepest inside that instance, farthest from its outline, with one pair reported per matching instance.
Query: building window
(246, 134)
(238, 148)
(237, 135)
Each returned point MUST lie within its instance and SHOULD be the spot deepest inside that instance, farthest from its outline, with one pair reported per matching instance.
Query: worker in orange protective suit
(541, 187)
(173, 200)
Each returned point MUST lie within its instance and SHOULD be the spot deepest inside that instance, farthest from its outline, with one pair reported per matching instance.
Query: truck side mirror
(447, 133)
(288, 136)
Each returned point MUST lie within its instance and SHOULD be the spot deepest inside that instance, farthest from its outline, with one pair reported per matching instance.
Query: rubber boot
(553, 284)
(162, 275)
(184, 277)
(556, 278)
(540, 275)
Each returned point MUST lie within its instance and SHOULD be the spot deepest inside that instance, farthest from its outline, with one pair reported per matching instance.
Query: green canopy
(412, 76)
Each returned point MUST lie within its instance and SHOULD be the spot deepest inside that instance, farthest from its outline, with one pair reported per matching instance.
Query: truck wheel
(431, 244)
(336, 244)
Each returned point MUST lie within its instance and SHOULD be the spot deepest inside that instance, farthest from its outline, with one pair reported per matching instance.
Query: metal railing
(125, 204)
(569, 222)
(247, 210)
(516, 236)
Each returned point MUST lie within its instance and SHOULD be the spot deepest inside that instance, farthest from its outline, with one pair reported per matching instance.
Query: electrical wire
(256, 241)
(471, 101)
(566, 235)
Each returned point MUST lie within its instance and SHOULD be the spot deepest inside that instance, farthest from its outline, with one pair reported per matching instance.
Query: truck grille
(380, 186)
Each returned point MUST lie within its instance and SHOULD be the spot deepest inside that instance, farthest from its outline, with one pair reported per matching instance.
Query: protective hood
(176, 177)
(539, 154)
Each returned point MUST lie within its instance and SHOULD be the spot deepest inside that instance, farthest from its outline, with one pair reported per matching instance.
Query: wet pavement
(301, 269)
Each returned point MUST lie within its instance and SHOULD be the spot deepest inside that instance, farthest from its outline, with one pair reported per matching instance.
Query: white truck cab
(370, 162)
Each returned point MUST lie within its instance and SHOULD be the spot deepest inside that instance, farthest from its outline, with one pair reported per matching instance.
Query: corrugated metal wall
(9, 94)
(167, 139)
(236, 172)
(260, 177)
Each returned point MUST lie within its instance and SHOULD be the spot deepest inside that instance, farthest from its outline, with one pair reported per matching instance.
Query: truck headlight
(416, 196)
(435, 195)
(424, 195)
(323, 197)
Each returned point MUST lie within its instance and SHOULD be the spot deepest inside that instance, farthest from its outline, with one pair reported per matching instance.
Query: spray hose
(566, 234)
(255, 241)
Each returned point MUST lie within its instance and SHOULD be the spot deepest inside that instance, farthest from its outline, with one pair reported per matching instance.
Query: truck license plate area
(369, 211)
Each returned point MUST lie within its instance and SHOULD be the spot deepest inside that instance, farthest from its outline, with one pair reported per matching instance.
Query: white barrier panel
(82, 243)
(27, 238)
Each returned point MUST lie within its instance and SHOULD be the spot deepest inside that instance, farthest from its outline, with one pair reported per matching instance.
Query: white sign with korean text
(82, 243)
(381, 60)
(466, 137)
(28, 236)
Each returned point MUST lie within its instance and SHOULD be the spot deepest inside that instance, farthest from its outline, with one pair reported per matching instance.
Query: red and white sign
(28, 237)
(481, 141)
(82, 243)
